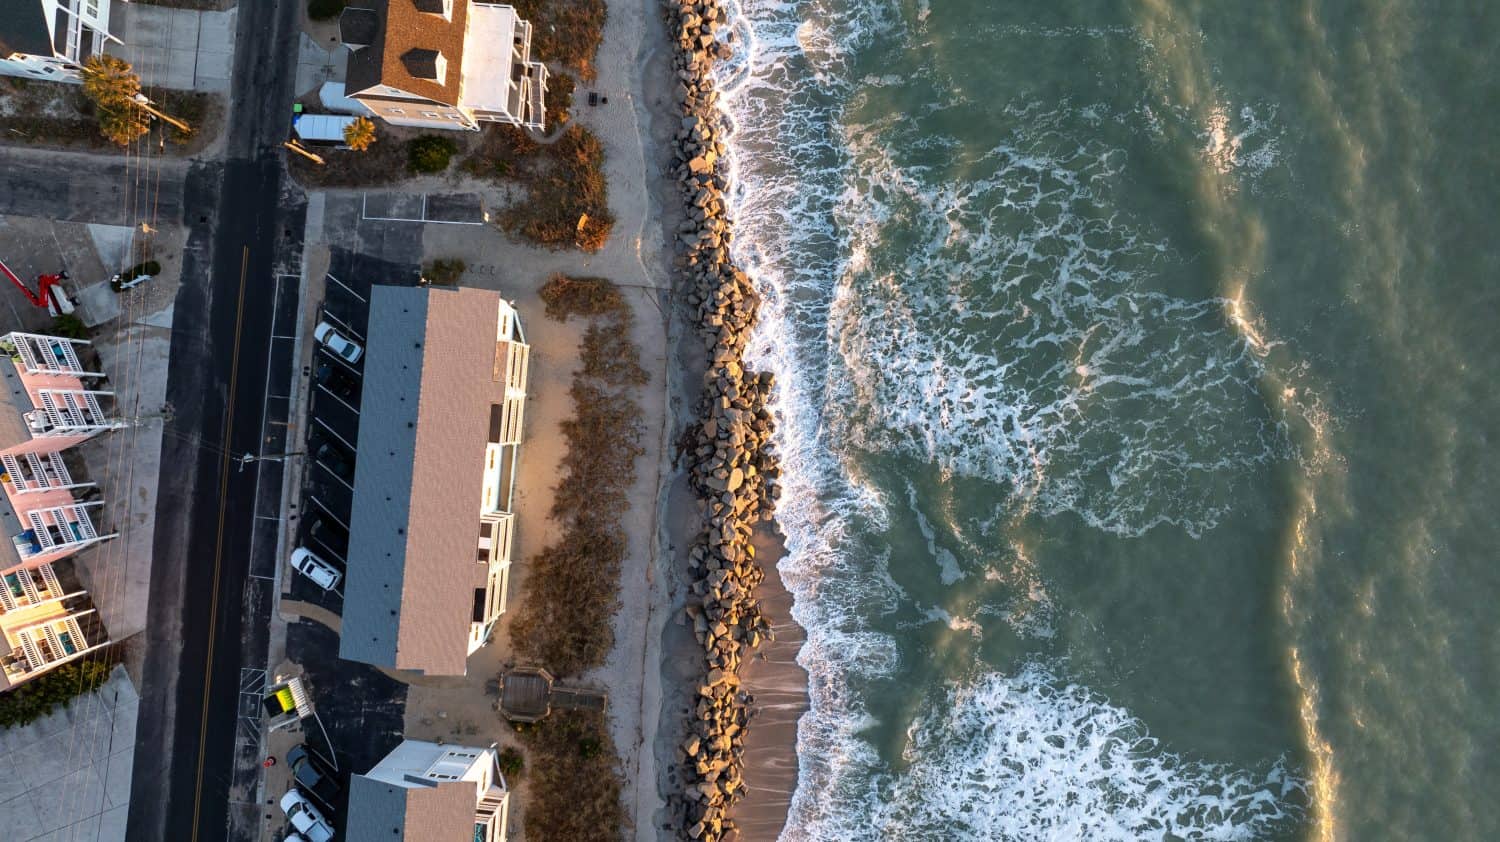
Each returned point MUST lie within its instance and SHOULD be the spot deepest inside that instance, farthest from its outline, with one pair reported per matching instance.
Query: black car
(336, 460)
(313, 775)
(338, 382)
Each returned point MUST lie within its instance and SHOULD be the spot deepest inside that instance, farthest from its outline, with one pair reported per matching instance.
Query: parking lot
(360, 709)
(329, 453)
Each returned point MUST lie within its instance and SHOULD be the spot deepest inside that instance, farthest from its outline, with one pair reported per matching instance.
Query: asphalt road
(208, 616)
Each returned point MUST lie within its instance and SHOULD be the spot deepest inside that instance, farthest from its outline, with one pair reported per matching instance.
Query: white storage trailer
(321, 128)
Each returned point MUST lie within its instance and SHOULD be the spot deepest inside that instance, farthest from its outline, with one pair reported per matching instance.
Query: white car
(305, 817)
(323, 574)
(346, 349)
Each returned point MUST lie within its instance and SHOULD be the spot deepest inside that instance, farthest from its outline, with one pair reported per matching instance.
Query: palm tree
(359, 134)
(112, 86)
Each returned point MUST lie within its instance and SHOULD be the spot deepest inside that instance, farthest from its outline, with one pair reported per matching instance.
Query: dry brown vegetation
(559, 100)
(575, 779)
(565, 296)
(565, 31)
(567, 198)
(572, 590)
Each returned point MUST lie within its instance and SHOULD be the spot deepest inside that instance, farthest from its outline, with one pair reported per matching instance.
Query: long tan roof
(424, 422)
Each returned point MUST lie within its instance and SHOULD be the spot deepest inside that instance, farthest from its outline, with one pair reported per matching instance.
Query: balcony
(496, 531)
(58, 530)
(33, 472)
(69, 412)
(35, 353)
(22, 588)
(60, 637)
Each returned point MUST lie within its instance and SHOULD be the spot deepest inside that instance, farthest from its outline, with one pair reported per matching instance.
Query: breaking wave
(983, 312)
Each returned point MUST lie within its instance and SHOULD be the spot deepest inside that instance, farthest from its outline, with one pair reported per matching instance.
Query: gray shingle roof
(382, 477)
(23, 28)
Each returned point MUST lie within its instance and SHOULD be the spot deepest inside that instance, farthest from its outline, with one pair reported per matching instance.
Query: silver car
(322, 574)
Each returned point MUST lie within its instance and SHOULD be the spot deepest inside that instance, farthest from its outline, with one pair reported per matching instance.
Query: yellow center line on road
(213, 617)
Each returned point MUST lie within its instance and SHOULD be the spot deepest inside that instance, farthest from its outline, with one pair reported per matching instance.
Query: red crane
(57, 301)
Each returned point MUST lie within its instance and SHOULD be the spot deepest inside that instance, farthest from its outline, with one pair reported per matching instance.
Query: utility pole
(298, 148)
(146, 106)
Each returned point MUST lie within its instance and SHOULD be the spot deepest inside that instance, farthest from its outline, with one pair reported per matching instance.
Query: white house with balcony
(443, 64)
(424, 790)
(433, 521)
(51, 39)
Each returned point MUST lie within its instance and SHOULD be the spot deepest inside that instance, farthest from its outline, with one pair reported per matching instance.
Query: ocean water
(1136, 395)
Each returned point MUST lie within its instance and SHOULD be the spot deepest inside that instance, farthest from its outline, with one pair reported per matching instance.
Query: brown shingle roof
(403, 28)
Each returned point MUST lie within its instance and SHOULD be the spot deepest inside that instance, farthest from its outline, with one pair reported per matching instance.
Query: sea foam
(1009, 340)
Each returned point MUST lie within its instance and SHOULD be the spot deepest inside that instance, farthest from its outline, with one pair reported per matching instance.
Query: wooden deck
(527, 695)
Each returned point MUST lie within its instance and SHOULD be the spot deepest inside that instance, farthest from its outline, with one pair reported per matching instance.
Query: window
(432, 114)
(396, 111)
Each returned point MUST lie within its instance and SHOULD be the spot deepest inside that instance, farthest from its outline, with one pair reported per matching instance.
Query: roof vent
(426, 64)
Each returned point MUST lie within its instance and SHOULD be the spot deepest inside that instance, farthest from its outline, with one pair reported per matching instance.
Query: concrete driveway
(182, 49)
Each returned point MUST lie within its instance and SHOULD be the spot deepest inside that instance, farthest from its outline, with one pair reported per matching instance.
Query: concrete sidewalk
(67, 775)
(181, 49)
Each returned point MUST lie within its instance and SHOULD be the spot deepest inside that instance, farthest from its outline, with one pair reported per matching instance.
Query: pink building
(54, 406)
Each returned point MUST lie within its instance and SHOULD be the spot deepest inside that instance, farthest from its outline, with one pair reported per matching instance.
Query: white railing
(49, 580)
(42, 354)
(28, 647)
(72, 411)
(502, 533)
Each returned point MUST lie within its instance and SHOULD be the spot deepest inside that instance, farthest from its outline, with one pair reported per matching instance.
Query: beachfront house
(46, 619)
(423, 790)
(442, 64)
(433, 509)
(51, 39)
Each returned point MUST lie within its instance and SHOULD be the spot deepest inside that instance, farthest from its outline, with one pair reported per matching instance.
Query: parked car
(336, 459)
(313, 774)
(322, 574)
(345, 348)
(337, 381)
(305, 818)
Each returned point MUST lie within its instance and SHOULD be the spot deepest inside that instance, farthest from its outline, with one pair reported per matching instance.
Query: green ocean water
(1136, 400)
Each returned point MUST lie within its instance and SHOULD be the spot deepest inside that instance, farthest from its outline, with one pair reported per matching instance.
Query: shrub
(565, 296)
(69, 326)
(324, 9)
(512, 763)
(559, 100)
(444, 272)
(430, 153)
(37, 697)
(150, 267)
(575, 779)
